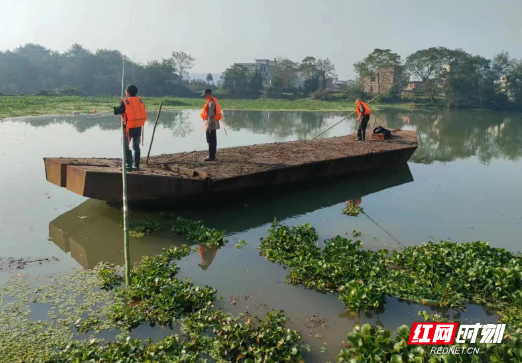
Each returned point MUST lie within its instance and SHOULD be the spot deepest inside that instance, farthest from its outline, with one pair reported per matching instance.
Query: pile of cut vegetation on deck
(240, 160)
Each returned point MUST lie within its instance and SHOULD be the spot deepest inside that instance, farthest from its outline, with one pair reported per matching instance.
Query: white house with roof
(263, 65)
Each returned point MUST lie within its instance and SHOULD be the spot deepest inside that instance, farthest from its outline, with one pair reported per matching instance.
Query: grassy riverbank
(14, 106)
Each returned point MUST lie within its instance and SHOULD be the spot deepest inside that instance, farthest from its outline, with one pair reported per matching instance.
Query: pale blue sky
(219, 33)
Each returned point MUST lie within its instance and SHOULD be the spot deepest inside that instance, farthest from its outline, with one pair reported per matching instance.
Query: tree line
(451, 76)
(32, 68)
(285, 76)
(454, 76)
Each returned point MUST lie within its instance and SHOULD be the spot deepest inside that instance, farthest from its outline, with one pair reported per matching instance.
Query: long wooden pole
(154, 132)
(124, 181)
(370, 101)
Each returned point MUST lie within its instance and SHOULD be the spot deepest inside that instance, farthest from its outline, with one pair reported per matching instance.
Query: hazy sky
(219, 33)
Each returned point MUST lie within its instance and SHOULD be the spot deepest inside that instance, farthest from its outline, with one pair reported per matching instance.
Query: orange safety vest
(367, 110)
(135, 114)
(204, 113)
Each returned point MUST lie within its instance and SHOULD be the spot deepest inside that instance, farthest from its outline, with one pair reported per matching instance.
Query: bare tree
(182, 62)
(210, 79)
(325, 70)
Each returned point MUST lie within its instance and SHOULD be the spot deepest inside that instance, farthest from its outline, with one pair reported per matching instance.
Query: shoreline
(19, 106)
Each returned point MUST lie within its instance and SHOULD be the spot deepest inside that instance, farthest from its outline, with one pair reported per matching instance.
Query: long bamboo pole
(373, 99)
(124, 181)
(154, 132)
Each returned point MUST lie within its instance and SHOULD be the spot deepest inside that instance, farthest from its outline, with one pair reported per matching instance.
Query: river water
(462, 184)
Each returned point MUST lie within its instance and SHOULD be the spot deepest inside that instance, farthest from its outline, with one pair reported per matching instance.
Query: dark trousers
(361, 131)
(212, 144)
(135, 136)
(211, 136)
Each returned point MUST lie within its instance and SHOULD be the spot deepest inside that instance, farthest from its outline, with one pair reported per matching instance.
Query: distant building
(502, 83)
(263, 65)
(378, 84)
(337, 84)
(265, 68)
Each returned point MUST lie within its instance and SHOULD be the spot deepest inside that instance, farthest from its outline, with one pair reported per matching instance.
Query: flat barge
(184, 176)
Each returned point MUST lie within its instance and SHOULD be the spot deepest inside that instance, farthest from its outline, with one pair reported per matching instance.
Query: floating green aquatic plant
(65, 300)
(139, 228)
(156, 295)
(352, 209)
(196, 232)
(375, 344)
(446, 273)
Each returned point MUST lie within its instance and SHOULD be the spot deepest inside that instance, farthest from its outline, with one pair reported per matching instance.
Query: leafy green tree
(427, 65)
(515, 83)
(78, 68)
(235, 80)
(284, 74)
(502, 64)
(308, 68)
(158, 79)
(468, 81)
(380, 64)
(254, 83)
(311, 85)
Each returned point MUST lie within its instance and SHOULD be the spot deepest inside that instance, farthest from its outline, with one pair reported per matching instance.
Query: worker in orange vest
(211, 115)
(134, 116)
(363, 111)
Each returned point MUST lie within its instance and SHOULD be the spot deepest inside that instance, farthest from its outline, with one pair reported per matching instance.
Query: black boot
(211, 152)
(209, 157)
(214, 149)
(128, 156)
(137, 156)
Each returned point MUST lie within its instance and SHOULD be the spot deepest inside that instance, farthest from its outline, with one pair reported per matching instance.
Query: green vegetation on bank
(15, 106)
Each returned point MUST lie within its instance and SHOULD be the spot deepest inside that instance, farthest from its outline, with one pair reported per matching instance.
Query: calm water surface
(463, 184)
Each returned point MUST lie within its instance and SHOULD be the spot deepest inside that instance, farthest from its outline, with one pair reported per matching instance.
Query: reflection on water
(463, 184)
(446, 136)
(443, 136)
(91, 233)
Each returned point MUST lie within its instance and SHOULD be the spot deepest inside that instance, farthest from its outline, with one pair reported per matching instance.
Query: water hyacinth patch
(446, 273)
(370, 343)
(352, 209)
(196, 232)
(140, 228)
(168, 350)
(156, 295)
(245, 338)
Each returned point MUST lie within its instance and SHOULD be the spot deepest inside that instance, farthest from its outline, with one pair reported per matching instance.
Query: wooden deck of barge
(179, 176)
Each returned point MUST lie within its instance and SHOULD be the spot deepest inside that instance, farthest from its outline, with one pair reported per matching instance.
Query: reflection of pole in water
(377, 224)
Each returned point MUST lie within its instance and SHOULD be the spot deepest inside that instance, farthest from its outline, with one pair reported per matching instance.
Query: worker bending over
(211, 115)
(363, 111)
(134, 116)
